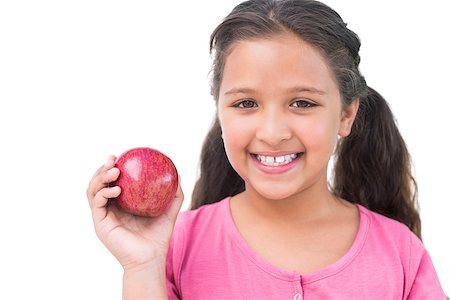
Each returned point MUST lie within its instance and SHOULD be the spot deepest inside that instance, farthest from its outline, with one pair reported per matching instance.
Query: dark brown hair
(372, 165)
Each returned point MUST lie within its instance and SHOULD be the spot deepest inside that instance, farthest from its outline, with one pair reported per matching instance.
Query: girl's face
(280, 112)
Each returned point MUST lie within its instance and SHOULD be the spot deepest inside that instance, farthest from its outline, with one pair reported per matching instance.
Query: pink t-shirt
(209, 259)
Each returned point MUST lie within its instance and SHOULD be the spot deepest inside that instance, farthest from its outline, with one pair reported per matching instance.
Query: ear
(347, 118)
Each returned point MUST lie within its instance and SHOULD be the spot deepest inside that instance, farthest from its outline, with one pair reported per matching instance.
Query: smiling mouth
(275, 161)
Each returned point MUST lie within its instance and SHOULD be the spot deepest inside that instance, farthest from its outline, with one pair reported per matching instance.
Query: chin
(275, 193)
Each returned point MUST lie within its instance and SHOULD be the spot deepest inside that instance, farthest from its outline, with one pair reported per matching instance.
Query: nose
(273, 128)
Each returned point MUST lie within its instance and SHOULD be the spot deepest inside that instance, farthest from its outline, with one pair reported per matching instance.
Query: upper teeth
(276, 160)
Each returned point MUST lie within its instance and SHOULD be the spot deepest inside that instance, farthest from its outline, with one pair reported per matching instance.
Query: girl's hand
(137, 242)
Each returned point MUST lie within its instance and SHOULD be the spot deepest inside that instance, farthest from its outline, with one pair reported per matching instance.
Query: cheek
(237, 135)
(320, 135)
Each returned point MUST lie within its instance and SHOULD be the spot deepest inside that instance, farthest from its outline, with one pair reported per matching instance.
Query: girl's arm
(145, 283)
(140, 244)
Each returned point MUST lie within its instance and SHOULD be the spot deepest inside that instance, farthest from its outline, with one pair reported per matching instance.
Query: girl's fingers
(101, 198)
(100, 201)
(110, 175)
(104, 175)
(110, 162)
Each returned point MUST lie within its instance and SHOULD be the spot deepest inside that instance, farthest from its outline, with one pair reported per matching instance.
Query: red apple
(148, 180)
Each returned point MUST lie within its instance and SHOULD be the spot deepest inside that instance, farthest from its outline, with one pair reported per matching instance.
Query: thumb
(174, 208)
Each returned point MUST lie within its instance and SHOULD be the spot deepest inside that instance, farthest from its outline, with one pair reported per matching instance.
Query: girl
(264, 222)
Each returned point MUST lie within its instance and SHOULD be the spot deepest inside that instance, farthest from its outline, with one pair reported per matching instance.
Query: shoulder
(391, 240)
(389, 237)
(205, 214)
(388, 229)
(420, 278)
(201, 223)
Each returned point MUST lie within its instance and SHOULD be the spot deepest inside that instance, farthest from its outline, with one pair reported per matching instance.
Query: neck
(312, 204)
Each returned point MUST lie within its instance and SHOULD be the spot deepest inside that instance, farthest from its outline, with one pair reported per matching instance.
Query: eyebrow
(296, 89)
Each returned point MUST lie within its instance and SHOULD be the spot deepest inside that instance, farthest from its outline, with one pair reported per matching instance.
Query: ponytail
(373, 166)
(217, 178)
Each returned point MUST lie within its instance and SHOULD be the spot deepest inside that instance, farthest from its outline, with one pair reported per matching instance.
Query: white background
(80, 80)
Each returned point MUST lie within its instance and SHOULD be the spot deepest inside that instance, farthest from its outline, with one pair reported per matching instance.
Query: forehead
(280, 61)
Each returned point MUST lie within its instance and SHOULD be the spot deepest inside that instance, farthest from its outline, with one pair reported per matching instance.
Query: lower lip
(276, 169)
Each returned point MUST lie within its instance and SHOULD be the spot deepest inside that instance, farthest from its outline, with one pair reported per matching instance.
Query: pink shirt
(209, 259)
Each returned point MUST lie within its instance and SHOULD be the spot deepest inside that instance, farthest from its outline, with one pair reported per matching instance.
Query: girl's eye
(245, 104)
(303, 104)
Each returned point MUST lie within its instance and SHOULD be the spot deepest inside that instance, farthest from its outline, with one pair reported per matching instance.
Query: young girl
(264, 223)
